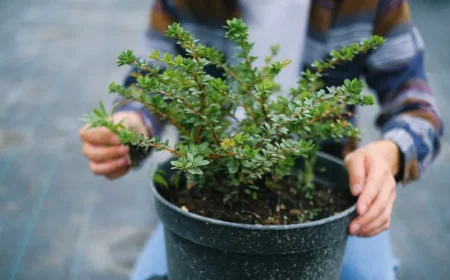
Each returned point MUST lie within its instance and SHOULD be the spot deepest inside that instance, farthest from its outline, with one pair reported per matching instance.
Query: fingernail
(128, 161)
(362, 209)
(115, 140)
(357, 189)
(123, 150)
(354, 229)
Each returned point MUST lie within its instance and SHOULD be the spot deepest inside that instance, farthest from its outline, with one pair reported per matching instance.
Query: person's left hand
(371, 170)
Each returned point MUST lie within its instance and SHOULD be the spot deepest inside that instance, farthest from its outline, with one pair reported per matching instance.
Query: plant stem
(308, 175)
(231, 73)
(324, 115)
(202, 102)
(332, 64)
(258, 145)
(233, 117)
(172, 151)
(247, 110)
(187, 104)
(216, 137)
(197, 135)
(195, 55)
(262, 101)
(217, 156)
(165, 116)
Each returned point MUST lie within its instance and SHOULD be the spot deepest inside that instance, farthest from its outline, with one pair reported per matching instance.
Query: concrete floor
(57, 221)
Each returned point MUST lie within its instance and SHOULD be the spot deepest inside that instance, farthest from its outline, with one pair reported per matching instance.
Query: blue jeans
(365, 258)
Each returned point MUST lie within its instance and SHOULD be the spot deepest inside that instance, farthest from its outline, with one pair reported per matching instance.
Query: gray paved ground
(57, 221)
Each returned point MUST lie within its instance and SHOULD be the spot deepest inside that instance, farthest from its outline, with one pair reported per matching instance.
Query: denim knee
(369, 258)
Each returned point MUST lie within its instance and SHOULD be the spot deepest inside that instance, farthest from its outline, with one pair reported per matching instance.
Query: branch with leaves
(200, 106)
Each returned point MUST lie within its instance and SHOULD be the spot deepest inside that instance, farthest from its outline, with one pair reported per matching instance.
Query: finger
(104, 153)
(116, 174)
(381, 223)
(370, 191)
(376, 174)
(103, 168)
(377, 231)
(379, 205)
(98, 136)
(356, 171)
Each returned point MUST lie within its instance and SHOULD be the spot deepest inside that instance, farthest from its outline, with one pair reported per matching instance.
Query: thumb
(355, 164)
(132, 120)
(98, 136)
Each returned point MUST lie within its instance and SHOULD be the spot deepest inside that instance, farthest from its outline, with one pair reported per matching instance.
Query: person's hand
(371, 170)
(107, 157)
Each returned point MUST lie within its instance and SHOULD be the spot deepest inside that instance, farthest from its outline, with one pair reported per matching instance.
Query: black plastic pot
(203, 248)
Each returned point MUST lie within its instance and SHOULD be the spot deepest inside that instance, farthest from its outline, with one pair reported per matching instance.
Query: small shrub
(219, 152)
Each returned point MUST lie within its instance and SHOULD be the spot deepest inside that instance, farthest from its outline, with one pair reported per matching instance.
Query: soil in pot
(286, 205)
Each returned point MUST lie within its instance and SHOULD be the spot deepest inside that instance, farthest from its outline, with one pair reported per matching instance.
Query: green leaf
(158, 178)
(176, 163)
(155, 54)
(347, 83)
(291, 107)
(195, 171)
(238, 137)
(98, 113)
(102, 107)
(203, 147)
(167, 57)
(232, 169)
(202, 163)
(190, 157)
(179, 59)
(368, 100)
(176, 180)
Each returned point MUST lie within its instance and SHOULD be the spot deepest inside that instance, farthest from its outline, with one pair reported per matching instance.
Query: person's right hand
(107, 157)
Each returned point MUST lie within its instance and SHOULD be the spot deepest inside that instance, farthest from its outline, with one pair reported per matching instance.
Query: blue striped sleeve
(152, 40)
(409, 115)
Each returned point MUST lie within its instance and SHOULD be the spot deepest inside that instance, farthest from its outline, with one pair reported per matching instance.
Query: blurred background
(58, 221)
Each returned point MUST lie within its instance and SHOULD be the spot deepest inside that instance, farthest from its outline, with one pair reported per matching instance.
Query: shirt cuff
(417, 140)
(408, 166)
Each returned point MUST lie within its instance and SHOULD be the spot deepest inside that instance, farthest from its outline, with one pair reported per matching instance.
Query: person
(408, 120)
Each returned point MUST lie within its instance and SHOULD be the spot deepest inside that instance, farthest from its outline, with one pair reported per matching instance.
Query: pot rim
(251, 226)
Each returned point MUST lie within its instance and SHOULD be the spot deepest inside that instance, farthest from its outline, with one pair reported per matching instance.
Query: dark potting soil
(285, 206)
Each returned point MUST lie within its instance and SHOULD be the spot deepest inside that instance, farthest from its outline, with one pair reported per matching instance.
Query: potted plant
(249, 198)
